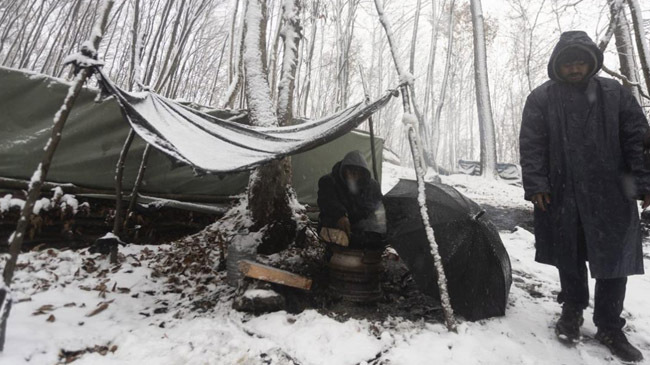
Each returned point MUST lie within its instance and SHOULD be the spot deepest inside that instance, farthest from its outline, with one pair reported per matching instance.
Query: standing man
(581, 147)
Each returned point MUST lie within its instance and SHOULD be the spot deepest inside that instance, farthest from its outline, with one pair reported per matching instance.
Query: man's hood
(354, 159)
(571, 39)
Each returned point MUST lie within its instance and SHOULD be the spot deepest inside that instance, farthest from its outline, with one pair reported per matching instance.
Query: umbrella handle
(479, 215)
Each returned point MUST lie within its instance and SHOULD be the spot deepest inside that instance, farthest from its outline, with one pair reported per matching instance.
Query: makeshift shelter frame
(420, 168)
(87, 56)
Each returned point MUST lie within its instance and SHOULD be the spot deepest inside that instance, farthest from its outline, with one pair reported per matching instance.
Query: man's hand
(646, 201)
(543, 200)
(344, 225)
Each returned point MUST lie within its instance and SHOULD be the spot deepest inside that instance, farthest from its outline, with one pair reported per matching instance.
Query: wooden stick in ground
(371, 128)
(416, 150)
(119, 176)
(138, 182)
(36, 183)
(3, 321)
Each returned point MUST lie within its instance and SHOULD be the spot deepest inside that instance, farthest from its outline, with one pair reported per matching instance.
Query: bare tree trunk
(291, 34)
(231, 62)
(268, 199)
(486, 124)
(623, 45)
(310, 56)
(238, 79)
(155, 46)
(428, 92)
(445, 78)
(213, 89)
(172, 45)
(273, 59)
(416, 22)
(135, 49)
(405, 77)
(16, 239)
(641, 40)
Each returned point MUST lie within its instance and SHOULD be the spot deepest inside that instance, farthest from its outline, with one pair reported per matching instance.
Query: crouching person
(351, 209)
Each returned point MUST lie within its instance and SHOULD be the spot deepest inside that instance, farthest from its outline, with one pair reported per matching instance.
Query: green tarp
(94, 135)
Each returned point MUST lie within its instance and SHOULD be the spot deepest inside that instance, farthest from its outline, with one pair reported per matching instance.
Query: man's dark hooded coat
(336, 201)
(590, 160)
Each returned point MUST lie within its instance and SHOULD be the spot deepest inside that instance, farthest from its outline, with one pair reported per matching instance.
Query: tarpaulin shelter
(476, 263)
(95, 132)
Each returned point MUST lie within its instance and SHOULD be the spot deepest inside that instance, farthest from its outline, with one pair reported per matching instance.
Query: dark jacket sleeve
(633, 127)
(331, 209)
(534, 149)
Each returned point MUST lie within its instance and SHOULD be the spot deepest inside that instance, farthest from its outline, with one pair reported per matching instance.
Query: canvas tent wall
(95, 133)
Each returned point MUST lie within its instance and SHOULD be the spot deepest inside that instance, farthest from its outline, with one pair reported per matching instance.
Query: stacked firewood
(67, 221)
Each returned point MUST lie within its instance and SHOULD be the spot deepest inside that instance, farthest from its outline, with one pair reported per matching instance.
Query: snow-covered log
(483, 104)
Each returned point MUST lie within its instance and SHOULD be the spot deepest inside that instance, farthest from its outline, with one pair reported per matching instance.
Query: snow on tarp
(210, 144)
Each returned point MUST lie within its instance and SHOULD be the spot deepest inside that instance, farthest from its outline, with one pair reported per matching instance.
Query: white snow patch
(8, 202)
(259, 294)
(410, 120)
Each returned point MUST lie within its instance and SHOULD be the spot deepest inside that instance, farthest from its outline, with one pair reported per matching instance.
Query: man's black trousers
(609, 296)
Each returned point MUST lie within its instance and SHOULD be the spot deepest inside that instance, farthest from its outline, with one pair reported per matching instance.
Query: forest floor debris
(170, 304)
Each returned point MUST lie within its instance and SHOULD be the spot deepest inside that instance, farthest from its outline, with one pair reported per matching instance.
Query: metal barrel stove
(355, 274)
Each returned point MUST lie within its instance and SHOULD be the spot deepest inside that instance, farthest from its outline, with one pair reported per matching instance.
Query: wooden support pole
(36, 183)
(418, 162)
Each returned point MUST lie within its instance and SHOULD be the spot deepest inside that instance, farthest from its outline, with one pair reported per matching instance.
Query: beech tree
(483, 104)
(269, 188)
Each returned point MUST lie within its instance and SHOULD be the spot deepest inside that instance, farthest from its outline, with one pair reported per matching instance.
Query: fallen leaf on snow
(43, 309)
(100, 308)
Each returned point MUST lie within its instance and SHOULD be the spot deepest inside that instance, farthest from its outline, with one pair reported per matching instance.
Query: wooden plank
(267, 273)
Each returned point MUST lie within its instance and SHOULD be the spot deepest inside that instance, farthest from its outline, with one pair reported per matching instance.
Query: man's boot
(567, 327)
(618, 344)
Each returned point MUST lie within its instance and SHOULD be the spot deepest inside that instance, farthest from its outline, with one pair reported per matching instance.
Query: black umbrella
(476, 264)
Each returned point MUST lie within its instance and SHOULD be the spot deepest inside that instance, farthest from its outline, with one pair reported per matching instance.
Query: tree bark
(291, 34)
(641, 40)
(624, 45)
(483, 104)
(445, 78)
(268, 198)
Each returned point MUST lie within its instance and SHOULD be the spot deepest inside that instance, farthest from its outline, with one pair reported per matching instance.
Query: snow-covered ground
(56, 293)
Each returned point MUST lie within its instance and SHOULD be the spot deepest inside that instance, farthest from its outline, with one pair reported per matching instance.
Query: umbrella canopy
(476, 264)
